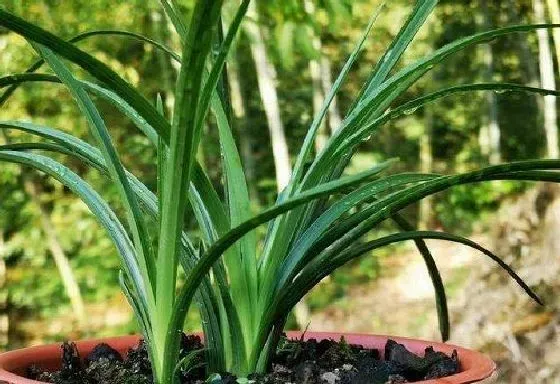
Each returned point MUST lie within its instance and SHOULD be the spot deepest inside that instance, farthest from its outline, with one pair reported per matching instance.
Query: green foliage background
(35, 291)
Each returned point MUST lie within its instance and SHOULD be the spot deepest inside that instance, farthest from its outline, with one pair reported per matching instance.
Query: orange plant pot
(475, 367)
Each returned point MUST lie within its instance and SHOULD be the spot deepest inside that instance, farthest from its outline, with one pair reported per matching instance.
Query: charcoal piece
(103, 351)
(405, 362)
(71, 363)
(190, 343)
(443, 368)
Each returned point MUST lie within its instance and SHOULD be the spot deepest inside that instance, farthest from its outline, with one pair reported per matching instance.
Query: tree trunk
(554, 11)
(239, 111)
(61, 261)
(546, 66)
(335, 120)
(3, 295)
(318, 97)
(489, 136)
(266, 75)
(425, 214)
(316, 74)
(530, 71)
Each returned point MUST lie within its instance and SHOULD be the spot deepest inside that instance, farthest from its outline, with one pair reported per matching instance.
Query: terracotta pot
(475, 367)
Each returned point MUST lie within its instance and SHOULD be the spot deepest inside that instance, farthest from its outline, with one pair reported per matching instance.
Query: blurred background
(59, 271)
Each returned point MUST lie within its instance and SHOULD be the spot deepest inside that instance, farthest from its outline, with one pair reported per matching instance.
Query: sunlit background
(59, 271)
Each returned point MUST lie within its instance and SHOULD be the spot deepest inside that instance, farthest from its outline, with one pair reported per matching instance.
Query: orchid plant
(243, 286)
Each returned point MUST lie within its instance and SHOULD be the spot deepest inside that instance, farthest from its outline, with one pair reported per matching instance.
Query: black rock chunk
(443, 368)
(413, 368)
(71, 362)
(404, 362)
(103, 351)
(190, 343)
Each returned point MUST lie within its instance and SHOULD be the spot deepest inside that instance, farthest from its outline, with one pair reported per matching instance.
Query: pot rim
(475, 366)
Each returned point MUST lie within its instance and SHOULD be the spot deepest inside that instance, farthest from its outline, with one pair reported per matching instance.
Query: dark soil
(296, 361)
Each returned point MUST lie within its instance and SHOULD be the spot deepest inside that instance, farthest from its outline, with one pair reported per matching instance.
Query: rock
(404, 360)
(413, 367)
(71, 363)
(103, 351)
(444, 367)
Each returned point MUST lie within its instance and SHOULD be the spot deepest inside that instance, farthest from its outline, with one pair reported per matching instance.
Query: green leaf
(205, 297)
(173, 12)
(435, 277)
(151, 134)
(372, 106)
(19, 78)
(118, 175)
(209, 310)
(97, 206)
(412, 106)
(141, 314)
(291, 264)
(90, 64)
(278, 237)
(309, 141)
(70, 145)
(320, 268)
(351, 229)
(97, 90)
(82, 36)
(400, 43)
(219, 62)
(185, 137)
(242, 264)
(225, 242)
(374, 103)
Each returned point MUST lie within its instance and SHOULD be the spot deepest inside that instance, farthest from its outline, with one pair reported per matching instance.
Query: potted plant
(244, 295)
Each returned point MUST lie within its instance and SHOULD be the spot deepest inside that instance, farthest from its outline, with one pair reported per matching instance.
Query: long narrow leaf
(373, 105)
(309, 140)
(93, 66)
(225, 242)
(243, 268)
(398, 46)
(198, 182)
(346, 234)
(184, 141)
(435, 277)
(279, 230)
(136, 220)
(82, 36)
(174, 14)
(316, 272)
(412, 106)
(96, 204)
